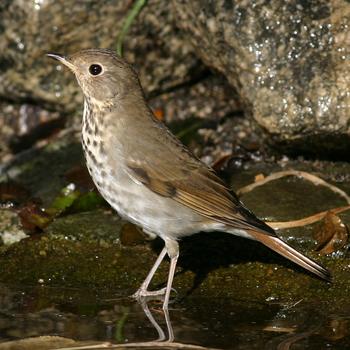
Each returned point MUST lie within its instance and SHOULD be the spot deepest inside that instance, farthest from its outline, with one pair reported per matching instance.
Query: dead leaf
(279, 329)
(33, 217)
(331, 235)
(159, 114)
(259, 177)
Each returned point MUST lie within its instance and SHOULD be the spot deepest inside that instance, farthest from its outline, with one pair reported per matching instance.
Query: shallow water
(224, 323)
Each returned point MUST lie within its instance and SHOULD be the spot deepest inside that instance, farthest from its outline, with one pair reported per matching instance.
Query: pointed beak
(63, 60)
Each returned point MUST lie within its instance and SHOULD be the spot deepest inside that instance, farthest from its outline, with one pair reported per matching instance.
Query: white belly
(136, 203)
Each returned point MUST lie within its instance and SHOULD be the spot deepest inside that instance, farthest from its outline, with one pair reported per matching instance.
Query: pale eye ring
(95, 69)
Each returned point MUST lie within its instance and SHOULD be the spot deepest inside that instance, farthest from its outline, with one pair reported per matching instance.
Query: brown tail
(290, 253)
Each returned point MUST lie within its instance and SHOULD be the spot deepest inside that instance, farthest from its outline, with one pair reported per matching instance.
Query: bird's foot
(144, 293)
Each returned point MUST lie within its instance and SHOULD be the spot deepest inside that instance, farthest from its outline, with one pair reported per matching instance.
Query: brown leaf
(33, 217)
(159, 114)
(259, 177)
(331, 235)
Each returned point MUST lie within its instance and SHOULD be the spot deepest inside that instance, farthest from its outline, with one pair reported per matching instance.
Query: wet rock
(292, 190)
(42, 170)
(280, 200)
(31, 29)
(288, 62)
(98, 226)
(210, 98)
(10, 230)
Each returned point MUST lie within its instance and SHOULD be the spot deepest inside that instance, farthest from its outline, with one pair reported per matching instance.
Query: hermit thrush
(148, 176)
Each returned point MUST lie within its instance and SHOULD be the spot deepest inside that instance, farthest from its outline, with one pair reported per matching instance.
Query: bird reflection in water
(166, 338)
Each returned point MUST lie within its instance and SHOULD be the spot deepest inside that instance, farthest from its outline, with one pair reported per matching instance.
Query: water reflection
(161, 333)
(98, 317)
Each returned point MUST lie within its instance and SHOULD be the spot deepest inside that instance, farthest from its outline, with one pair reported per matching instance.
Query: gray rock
(10, 229)
(289, 62)
(31, 29)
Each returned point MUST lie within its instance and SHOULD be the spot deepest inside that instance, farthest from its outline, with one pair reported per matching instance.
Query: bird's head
(102, 75)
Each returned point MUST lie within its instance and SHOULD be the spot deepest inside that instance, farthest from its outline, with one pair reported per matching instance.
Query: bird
(148, 176)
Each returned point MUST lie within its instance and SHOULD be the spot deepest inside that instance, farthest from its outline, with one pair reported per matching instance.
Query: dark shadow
(44, 173)
(206, 252)
(41, 131)
(331, 146)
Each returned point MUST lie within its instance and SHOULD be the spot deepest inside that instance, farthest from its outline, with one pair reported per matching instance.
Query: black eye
(95, 69)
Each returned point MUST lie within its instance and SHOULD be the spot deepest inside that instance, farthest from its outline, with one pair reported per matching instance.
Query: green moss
(53, 261)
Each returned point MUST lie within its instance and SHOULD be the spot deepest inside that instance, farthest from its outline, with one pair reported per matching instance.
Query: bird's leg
(142, 291)
(172, 248)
